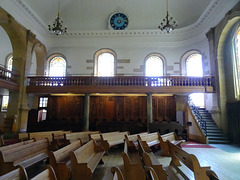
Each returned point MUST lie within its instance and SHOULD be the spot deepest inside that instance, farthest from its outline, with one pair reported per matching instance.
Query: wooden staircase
(214, 134)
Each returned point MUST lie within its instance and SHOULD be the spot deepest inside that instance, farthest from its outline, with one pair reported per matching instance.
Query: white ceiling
(90, 17)
(94, 14)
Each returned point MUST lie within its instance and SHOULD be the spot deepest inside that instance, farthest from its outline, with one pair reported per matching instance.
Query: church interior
(120, 90)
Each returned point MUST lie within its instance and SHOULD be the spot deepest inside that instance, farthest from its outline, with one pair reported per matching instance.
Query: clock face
(119, 21)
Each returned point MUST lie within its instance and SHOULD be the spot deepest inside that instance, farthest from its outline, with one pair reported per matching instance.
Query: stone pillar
(149, 110)
(86, 112)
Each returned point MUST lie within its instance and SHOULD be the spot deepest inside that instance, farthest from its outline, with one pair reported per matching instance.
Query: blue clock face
(119, 21)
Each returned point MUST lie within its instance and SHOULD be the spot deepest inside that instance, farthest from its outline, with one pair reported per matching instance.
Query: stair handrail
(195, 109)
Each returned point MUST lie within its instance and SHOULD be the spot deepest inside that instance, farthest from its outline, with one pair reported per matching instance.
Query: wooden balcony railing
(8, 79)
(120, 82)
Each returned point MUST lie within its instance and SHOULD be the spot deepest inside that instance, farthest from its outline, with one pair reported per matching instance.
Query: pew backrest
(25, 155)
(74, 136)
(18, 173)
(63, 153)
(190, 160)
(47, 174)
(117, 173)
(44, 134)
(11, 146)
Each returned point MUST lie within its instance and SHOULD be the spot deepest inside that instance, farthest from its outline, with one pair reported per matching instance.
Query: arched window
(57, 66)
(105, 63)
(194, 65)
(10, 63)
(194, 68)
(236, 64)
(154, 66)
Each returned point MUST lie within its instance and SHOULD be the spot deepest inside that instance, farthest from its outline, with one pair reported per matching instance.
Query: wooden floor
(224, 160)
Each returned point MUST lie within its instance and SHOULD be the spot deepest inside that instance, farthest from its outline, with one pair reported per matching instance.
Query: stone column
(149, 110)
(86, 112)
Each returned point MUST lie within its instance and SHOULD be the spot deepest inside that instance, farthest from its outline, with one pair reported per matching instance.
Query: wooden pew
(150, 160)
(152, 174)
(117, 173)
(25, 155)
(1, 141)
(53, 136)
(44, 134)
(47, 174)
(11, 146)
(133, 166)
(173, 138)
(19, 173)
(59, 140)
(132, 139)
(95, 137)
(5, 142)
(151, 139)
(177, 154)
(85, 159)
(84, 136)
(23, 136)
(60, 160)
(112, 139)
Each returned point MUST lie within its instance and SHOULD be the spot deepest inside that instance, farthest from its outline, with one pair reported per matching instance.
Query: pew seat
(150, 139)
(74, 136)
(150, 160)
(117, 173)
(85, 159)
(60, 160)
(18, 173)
(173, 138)
(189, 160)
(47, 174)
(133, 166)
(112, 139)
(25, 155)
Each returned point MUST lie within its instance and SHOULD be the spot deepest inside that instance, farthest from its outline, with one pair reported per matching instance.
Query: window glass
(105, 64)
(10, 63)
(194, 68)
(154, 66)
(237, 45)
(194, 65)
(57, 66)
(5, 103)
(43, 102)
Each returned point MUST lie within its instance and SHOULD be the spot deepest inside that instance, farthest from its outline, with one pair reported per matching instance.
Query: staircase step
(215, 134)
(214, 130)
(218, 142)
(217, 138)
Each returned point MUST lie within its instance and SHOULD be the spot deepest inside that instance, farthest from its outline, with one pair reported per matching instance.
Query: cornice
(133, 33)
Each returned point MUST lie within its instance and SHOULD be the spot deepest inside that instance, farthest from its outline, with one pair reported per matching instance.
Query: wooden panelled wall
(67, 111)
(234, 122)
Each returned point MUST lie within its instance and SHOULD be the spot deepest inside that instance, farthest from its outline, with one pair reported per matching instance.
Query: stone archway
(222, 33)
(20, 40)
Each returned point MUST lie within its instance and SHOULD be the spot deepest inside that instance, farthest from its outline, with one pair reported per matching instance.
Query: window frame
(161, 57)
(50, 58)
(236, 72)
(98, 53)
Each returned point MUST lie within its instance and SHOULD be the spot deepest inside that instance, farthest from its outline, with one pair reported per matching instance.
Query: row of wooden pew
(21, 174)
(83, 151)
(140, 162)
(73, 160)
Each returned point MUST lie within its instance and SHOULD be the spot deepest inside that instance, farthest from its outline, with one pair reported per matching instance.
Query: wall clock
(118, 21)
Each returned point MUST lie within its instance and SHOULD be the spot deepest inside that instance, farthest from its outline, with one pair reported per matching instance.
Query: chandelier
(57, 24)
(168, 23)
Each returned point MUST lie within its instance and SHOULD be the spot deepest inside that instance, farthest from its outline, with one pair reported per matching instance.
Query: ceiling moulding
(93, 33)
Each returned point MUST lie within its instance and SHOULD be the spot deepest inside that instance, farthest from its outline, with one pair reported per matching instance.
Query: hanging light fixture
(168, 23)
(57, 24)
